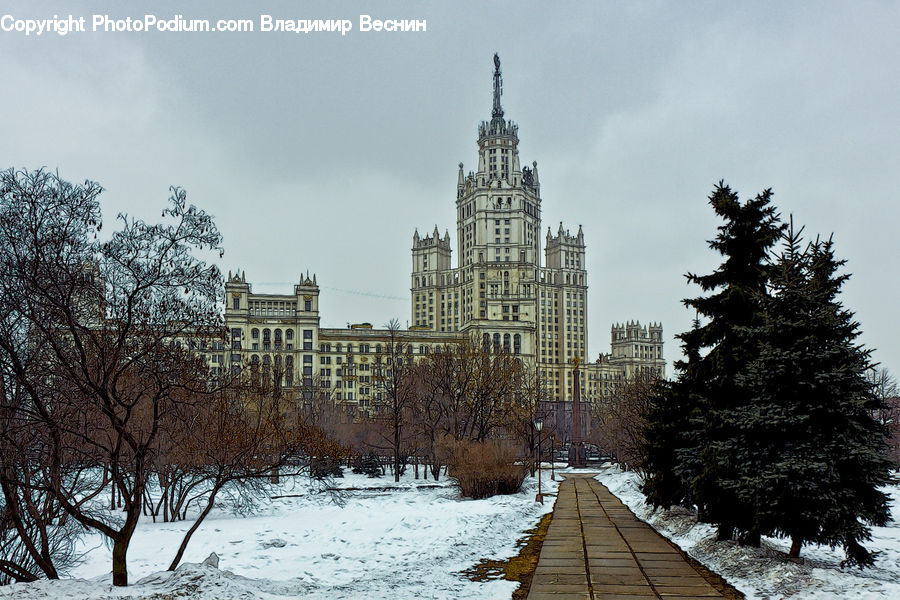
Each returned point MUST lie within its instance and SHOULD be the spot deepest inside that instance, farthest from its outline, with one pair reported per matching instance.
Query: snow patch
(765, 573)
(411, 540)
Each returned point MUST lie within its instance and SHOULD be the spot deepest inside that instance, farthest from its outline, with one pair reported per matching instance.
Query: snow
(408, 541)
(765, 573)
(412, 539)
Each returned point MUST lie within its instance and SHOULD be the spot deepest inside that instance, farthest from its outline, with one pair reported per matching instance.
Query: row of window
(272, 308)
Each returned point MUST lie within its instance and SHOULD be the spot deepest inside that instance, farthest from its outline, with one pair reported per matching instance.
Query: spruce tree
(814, 455)
(672, 438)
(725, 345)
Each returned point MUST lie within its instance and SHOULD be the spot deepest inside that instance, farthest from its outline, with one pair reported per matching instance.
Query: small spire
(416, 235)
(461, 179)
(534, 175)
(498, 88)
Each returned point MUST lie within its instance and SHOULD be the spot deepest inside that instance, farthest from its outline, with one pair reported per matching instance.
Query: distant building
(500, 292)
(500, 289)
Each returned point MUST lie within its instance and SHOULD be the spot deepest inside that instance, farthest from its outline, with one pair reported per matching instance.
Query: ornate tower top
(498, 88)
(497, 126)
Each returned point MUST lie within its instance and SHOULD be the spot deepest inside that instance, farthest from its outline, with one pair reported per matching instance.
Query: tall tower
(431, 265)
(499, 292)
(498, 220)
(562, 330)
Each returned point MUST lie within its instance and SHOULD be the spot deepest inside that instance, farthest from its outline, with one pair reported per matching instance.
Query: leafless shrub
(482, 469)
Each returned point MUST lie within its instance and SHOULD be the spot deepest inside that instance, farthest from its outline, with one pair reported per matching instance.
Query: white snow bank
(410, 542)
(765, 573)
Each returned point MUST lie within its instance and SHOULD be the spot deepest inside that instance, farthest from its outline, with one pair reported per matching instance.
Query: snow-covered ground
(410, 541)
(765, 573)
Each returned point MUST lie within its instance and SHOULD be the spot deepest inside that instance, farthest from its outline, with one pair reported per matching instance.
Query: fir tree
(672, 442)
(731, 312)
(814, 455)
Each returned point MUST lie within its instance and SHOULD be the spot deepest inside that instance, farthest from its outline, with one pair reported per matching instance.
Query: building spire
(498, 88)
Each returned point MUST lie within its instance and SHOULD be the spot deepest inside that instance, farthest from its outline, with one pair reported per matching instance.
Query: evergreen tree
(672, 438)
(814, 455)
(731, 312)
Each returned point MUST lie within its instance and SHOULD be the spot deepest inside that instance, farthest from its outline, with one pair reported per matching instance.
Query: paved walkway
(597, 549)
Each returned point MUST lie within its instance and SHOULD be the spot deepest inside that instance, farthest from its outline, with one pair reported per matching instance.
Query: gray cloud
(324, 152)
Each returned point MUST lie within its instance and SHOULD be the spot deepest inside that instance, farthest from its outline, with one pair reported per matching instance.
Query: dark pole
(537, 425)
(576, 453)
(552, 458)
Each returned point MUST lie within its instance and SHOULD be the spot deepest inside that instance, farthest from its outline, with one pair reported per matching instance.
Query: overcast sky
(324, 152)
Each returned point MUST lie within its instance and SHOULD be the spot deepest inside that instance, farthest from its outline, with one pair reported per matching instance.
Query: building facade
(505, 289)
(502, 289)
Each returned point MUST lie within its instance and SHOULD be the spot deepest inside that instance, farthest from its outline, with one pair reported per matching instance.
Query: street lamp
(538, 424)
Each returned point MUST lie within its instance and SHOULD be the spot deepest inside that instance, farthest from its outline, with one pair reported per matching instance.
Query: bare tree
(887, 391)
(393, 377)
(622, 419)
(109, 318)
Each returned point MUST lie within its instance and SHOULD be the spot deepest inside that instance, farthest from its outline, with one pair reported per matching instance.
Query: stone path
(597, 549)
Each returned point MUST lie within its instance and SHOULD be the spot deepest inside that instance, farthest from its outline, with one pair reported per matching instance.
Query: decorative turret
(431, 253)
(565, 251)
(237, 290)
(633, 331)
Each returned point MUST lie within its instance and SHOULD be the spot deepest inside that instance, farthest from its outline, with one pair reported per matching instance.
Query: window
(237, 303)
(307, 305)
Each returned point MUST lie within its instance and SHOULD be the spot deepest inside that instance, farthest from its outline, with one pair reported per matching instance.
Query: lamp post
(538, 424)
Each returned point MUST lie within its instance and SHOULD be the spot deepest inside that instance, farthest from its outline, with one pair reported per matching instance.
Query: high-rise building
(500, 288)
(500, 291)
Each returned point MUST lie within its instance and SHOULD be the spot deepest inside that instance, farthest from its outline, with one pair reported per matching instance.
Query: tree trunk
(396, 453)
(751, 538)
(796, 543)
(726, 533)
(194, 527)
(119, 567)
